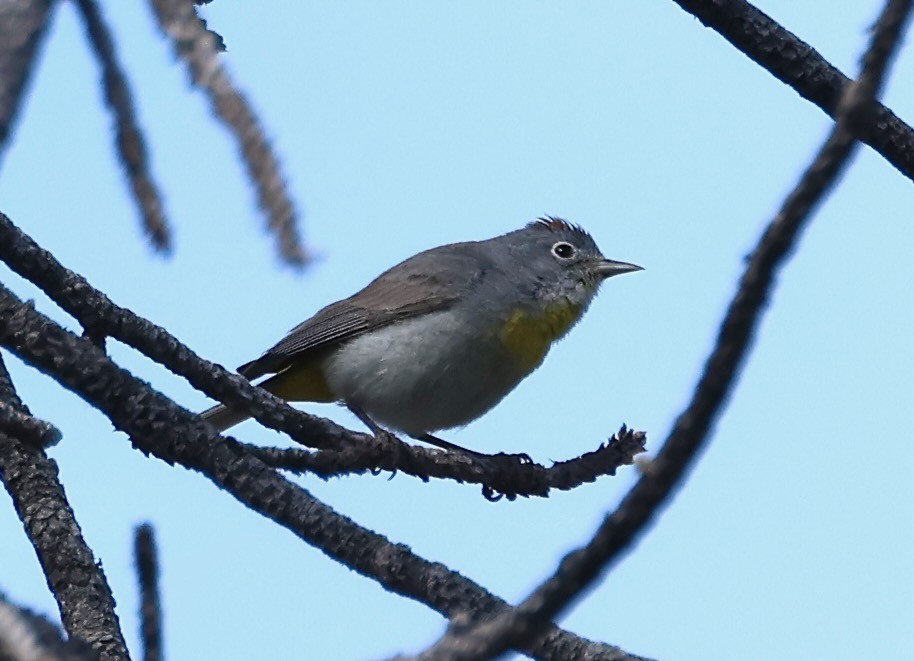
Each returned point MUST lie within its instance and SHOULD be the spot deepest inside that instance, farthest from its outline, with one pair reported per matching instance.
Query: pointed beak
(607, 268)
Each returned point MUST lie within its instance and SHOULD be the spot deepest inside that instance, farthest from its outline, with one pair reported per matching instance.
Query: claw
(491, 494)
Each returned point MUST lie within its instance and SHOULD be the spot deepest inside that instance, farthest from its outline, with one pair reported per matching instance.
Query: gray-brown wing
(429, 281)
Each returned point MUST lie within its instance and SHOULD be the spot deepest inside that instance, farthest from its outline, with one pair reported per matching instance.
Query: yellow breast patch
(528, 335)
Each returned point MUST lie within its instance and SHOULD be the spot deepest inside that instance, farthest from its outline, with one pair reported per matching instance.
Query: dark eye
(563, 250)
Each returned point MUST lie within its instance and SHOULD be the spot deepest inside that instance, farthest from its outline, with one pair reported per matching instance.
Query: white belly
(424, 374)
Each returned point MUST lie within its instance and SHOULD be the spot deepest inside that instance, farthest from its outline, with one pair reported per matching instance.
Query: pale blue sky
(405, 125)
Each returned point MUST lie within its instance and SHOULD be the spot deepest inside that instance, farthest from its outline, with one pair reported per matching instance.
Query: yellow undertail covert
(301, 382)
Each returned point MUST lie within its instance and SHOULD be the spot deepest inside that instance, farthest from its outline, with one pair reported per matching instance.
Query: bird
(438, 340)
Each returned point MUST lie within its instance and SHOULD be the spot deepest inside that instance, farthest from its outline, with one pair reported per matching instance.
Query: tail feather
(302, 382)
(222, 417)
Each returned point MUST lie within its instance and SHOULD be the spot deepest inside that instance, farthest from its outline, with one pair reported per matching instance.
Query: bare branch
(578, 569)
(76, 580)
(160, 428)
(129, 141)
(147, 569)
(506, 478)
(23, 24)
(17, 422)
(199, 49)
(100, 317)
(798, 65)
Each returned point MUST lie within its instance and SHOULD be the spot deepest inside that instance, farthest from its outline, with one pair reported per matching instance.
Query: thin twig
(159, 427)
(147, 571)
(798, 65)
(74, 577)
(488, 639)
(129, 141)
(100, 317)
(23, 24)
(17, 422)
(199, 48)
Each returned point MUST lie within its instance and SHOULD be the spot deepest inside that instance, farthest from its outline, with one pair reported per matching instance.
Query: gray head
(563, 258)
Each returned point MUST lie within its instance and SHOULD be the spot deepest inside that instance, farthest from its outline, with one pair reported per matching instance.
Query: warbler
(441, 338)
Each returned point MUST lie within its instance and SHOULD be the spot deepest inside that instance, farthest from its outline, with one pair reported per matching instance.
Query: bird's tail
(303, 382)
(222, 417)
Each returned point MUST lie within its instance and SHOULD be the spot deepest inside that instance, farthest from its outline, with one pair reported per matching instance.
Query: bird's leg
(445, 445)
(522, 457)
(380, 432)
(375, 428)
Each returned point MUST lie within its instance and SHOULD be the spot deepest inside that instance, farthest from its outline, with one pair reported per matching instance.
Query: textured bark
(76, 579)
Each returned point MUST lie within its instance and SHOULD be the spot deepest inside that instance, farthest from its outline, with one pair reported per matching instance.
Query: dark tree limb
(797, 64)
(500, 475)
(76, 580)
(158, 427)
(508, 478)
(23, 24)
(129, 140)
(347, 451)
(488, 639)
(199, 48)
(147, 569)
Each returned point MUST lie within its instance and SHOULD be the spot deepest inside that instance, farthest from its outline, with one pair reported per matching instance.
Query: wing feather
(429, 281)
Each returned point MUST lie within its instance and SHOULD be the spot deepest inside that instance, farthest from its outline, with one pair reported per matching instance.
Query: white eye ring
(563, 250)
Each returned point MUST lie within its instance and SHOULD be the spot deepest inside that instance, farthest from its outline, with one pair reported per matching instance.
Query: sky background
(406, 125)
